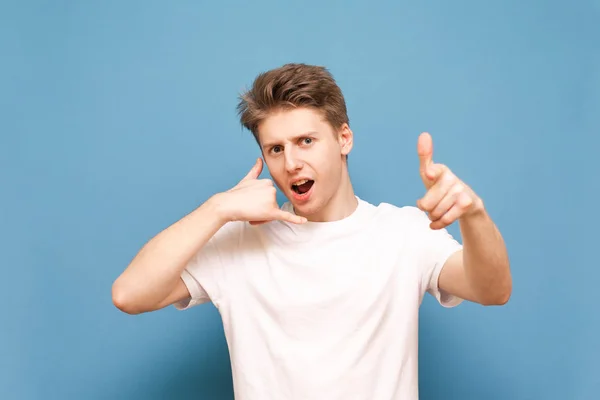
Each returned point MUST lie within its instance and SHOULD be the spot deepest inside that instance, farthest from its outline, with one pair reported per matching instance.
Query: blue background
(118, 118)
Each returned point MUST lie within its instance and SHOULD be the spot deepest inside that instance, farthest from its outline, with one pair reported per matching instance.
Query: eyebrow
(294, 138)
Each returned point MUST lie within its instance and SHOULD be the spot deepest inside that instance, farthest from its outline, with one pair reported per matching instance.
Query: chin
(304, 209)
(308, 209)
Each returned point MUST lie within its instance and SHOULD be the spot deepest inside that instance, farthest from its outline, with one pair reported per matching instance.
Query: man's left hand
(447, 198)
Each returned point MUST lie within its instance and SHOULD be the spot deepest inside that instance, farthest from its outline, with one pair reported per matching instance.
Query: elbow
(499, 293)
(505, 297)
(122, 299)
(498, 298)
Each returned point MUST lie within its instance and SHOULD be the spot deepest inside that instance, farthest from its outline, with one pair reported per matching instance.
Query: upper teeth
(302, 182)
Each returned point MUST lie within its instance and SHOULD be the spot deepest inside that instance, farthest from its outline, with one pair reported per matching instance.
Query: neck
(341, 205)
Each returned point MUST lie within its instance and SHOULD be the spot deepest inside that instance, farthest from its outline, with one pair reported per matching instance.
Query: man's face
(305, 157)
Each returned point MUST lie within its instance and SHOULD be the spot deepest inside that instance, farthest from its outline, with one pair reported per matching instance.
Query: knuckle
(449, 179)
(447, 219)
(427, 201)
(445, 169)
(465, 201)
(458, 187)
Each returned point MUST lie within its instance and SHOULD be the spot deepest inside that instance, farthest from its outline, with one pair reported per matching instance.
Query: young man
(319, 298)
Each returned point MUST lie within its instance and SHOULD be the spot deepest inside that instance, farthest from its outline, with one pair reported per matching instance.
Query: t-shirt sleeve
(205, 275)
(435, 247)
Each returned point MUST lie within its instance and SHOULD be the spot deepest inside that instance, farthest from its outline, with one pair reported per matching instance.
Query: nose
(292, 161)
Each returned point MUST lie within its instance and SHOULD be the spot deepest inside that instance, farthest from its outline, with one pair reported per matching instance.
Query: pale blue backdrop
(118, 118)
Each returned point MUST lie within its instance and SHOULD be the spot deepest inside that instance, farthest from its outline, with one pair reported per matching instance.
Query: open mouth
(303, 186)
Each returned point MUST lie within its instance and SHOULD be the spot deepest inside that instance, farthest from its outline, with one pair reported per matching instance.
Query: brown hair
(291, 86)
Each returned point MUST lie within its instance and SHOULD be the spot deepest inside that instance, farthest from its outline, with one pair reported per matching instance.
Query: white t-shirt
(323, 310)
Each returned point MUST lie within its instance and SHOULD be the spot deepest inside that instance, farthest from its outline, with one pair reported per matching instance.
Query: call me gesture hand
(254, 200)
(447, 198)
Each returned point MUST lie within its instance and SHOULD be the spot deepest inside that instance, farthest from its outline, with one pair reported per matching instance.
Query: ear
(345, 139)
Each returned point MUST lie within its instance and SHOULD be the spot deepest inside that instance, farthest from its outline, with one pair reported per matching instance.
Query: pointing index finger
(425, 151)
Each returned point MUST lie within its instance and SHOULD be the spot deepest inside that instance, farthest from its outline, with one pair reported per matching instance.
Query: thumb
(425, 152)
(255, 171)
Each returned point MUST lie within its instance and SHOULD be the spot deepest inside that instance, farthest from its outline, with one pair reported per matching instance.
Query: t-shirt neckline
(344, 225)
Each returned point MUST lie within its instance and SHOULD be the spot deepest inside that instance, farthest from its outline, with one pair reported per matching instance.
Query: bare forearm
(485, 258)
(156, 269)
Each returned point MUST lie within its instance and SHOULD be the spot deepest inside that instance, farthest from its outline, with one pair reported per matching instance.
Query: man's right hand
(153, 278)
(254, 200)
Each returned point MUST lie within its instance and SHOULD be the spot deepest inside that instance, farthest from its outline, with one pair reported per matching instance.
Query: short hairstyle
(292, 86)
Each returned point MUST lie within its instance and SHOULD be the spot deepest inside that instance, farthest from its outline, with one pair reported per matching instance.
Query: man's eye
(276, 149)
(307, 140)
